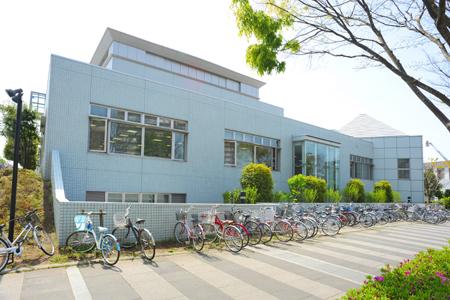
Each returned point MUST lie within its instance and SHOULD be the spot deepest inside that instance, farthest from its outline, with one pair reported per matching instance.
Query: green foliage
(354, 191)
(258, 176)
(431, 183)
(29, 137)
(439, 194)
(333, 196)
(424, 277)
(267, 30)
(445, 202)
(307, 188)
(384, 185)
(397, 197)
(233, 196)
(281, 197)
(447, 193)
(30, 193)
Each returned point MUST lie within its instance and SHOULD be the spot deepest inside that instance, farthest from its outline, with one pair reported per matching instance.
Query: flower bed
(427, 276)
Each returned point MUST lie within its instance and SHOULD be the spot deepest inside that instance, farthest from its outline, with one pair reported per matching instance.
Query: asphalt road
(321, 268)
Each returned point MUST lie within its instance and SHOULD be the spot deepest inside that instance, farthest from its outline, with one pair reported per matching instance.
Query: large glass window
(317, 159)
(158, 143)
(180, 145)
(403, 168)
(264, 155)
(361, 167)
(97, 135)
(125, 138)
(244, 153)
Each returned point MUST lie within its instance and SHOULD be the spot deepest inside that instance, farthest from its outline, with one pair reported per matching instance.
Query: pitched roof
(366, 126)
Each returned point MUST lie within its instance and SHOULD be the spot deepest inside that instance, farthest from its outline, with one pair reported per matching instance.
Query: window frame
(105, 137)
(403, 169)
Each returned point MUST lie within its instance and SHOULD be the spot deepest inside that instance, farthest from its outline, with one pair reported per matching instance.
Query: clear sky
(328, 93)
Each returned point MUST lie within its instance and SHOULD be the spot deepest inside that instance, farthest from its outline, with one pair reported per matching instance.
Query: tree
(384, 185)
(410, 38)
(431, 184)
(259, 177)
(29, 136)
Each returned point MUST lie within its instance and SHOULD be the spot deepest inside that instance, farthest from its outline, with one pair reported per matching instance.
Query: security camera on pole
(16, 96)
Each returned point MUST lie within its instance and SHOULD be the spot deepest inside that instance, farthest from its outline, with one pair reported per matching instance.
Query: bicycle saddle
(102, 229)
(139, 221)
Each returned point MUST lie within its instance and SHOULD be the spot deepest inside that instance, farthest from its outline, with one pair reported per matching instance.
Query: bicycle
(84, 239)
(29, 222)
(184, 233)
(130, 235)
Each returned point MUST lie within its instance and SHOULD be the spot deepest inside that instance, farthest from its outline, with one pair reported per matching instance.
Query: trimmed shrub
(230, 197)
(397, 197)
(281, 196)
(307, 188)
(386, 187)
(354, 191)
(258, 176)
(445, 202)
(333, 196)
(427, 276)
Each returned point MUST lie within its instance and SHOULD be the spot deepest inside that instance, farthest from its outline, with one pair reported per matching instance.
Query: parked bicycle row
(235, 227)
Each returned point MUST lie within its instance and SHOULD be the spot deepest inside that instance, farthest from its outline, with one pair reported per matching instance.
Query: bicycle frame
(18, 241)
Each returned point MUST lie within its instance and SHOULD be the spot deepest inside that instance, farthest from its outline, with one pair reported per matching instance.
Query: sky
(328, 93)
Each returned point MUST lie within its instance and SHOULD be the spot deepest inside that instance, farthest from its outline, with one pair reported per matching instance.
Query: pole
(16, 96)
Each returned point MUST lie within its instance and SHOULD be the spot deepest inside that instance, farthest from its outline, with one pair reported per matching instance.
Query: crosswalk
(322, 268)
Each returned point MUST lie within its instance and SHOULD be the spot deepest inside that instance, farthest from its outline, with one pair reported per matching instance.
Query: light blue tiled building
(145, 123)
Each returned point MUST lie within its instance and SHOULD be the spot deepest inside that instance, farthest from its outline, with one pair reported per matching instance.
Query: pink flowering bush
(427, 276)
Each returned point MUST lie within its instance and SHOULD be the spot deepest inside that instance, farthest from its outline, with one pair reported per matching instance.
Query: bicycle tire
(267, 233)
(4, 256)
(109, 245)
(125, 237)
(210, 233)
(81, 241)
(147, 242)
(233, 238)
(283, 231)
(245, 234)
(300, 231)
(181, 233)
(255, 232)
(330, 226)
(197, 238)
(43, 241)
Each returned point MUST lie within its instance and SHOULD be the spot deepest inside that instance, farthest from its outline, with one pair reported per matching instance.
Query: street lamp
(16, 96)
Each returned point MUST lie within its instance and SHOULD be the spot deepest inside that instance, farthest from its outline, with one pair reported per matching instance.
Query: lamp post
(16, 96)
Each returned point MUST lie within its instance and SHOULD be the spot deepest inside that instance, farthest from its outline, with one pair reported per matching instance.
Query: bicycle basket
(32, 219)
(119, 220)
(228, 216)
(80, 222)
(180, 215)
(206, 218)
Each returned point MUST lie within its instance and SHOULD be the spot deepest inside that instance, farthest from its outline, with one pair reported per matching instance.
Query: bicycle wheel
(210, 233)
(125, 237)
(197, 238)
(330, 226)
(147, 243)
(181, 233)
(3, 254)
(81, 241)
(300, 231)
(283, 231)
(233, 238)
(255, 232)
(110, 249)
(43, 240)
(245, 234)
(266, 233)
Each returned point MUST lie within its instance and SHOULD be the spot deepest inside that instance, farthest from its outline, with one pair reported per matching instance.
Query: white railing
(57, 179)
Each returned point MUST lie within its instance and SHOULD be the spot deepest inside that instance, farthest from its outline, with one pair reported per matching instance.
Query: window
(117, 114)
(230, 157)
(180, 125)
(97, 135)
(403, 168)
(163, 198)
(125, 138)
(163, 122)
(361, 167)
(158, 143)
(148, 198)
(243, 148)
(95, 196)
(179, 145)
(114, 197)
(99, 111)
(134, 197)
(178, 198)
(134, 117)
(151, 120)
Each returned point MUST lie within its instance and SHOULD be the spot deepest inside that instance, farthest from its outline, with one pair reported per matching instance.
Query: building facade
(145, 123)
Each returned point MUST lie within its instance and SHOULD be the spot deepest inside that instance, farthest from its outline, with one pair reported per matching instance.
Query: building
(145, 123)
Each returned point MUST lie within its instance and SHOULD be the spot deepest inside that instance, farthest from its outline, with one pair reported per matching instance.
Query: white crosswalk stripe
(79, 288)
(11, 286)
(392, 239)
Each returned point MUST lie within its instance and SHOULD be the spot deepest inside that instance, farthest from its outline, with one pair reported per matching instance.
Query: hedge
(384, 185)
(258, 176)
(354, 191)
(307, 188)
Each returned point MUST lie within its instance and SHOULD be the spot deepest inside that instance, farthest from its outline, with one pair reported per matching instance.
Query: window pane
(264, 156)
(97, 132)
(178, 198)
(163, 122)
(180, 144)
(163, 198)
(298, 159)
(403, 163)
(158, 143)
(133, 117)
(132, 197)
(117, 114)
(99, 111)
(151, 120)
(229, 135)
(229, 156)
(266, 141)
(125, 138)
(403, 174)
(244, 153)
(310, 155)
(258, 140)
(321, 160)
(95, 196)
(114, 197)
(181, 125)
(148, 198)
(238, 136)
(248, 138)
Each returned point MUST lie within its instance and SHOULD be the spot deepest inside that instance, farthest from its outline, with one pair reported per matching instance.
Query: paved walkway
(322, 268)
